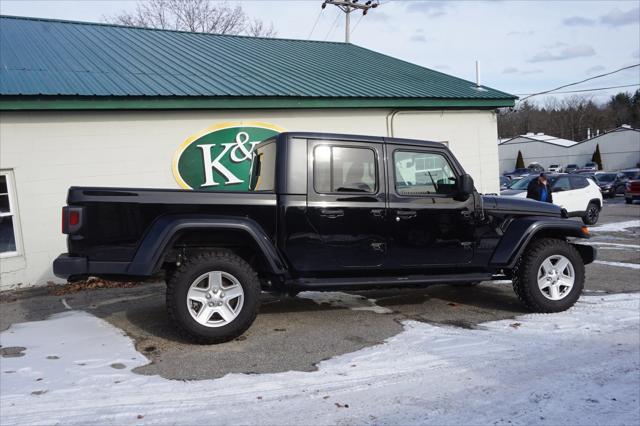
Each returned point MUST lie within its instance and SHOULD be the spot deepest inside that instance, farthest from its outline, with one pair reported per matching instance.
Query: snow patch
(575, 367)
(616, 226)
(339, 299)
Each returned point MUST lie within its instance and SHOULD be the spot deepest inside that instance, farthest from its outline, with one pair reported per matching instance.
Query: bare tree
(202, 16)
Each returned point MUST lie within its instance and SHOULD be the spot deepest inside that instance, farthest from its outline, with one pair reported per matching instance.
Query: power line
(586, 90)
(357, 23)
(332, 25)
(578, 82)
(315, 23)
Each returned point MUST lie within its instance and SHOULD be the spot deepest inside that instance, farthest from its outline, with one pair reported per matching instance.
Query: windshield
(522, 183)
(263, 167)
(605, 177)
(573, 166)
(553, 165)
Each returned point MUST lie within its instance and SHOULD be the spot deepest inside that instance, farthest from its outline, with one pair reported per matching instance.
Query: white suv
(555, 168)
(579, 195)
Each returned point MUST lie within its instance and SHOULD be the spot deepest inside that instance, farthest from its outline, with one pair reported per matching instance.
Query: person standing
(539, 189)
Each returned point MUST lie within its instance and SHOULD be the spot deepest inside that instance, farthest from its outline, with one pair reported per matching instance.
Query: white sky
(522, 46)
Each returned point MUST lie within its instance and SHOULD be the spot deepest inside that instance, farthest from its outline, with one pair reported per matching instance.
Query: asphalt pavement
(297, 333)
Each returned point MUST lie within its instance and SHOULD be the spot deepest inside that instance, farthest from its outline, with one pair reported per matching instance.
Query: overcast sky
(523, 46)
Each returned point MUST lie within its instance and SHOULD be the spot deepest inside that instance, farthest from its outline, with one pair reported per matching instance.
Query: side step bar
(409, 280)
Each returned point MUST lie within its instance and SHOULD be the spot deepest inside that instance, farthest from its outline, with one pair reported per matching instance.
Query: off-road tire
(525, 282)
(182, 278)
(591, 215)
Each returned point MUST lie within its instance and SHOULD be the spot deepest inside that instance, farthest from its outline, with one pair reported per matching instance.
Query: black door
(346, 203)
(429, 226)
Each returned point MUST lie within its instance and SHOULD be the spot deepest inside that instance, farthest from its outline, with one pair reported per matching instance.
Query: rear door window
(578, 182)
(563, 183)
(340, 169)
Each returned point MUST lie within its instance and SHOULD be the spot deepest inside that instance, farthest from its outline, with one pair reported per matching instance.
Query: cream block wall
(50, 151)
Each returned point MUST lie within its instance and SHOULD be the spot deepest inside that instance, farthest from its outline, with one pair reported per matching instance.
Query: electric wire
(333, 25)
(578, 82)
(315, 23)
(587, 90)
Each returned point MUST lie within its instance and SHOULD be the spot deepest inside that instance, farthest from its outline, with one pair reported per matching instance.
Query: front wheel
(591, 215)
(549, 276)
(213, 297)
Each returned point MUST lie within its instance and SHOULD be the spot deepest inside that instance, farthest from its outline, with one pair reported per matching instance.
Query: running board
(409, 280)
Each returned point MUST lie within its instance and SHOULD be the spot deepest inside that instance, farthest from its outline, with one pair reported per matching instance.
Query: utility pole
(348, 6)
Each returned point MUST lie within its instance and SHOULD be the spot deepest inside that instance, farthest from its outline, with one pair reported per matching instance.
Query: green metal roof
(88, 65)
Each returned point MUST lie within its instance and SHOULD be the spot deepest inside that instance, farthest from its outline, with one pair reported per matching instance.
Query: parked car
(517, 173)
(632, 191)
(631, 174)
(555, 168)
(504, 182)
(535, 168)
(591, 166)
(577, 194)
(357, 214)
(571, 168)
(610, 183)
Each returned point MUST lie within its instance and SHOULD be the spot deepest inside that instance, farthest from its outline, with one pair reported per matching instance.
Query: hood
(514, 193)
(519, 206)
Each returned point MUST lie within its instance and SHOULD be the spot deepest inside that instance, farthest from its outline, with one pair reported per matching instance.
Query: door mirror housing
(465, 185)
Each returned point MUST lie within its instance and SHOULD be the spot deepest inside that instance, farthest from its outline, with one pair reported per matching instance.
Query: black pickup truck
(323, 212)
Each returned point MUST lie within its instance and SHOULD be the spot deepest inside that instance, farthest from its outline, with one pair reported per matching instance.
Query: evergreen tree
(520, 161)
(596, 158)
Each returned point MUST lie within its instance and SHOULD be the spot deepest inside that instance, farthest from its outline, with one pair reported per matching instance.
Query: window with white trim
(8, 225)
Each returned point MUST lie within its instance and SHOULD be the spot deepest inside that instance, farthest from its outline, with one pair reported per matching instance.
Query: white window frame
(13, 214)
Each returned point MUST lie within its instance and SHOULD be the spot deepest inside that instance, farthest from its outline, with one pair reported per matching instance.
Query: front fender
(161, 234)
(522, 230)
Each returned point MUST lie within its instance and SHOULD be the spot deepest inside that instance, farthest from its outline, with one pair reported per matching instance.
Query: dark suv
(323, 212)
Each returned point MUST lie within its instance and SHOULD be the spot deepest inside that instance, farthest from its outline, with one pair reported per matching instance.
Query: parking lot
(297, 333)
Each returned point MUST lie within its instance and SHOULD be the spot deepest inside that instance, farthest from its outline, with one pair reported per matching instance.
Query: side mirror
(465, 185)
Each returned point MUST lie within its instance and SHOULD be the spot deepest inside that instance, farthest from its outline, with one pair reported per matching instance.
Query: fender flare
(522, 230)
(161, 233)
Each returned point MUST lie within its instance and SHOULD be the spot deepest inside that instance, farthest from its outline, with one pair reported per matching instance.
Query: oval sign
(219, 157)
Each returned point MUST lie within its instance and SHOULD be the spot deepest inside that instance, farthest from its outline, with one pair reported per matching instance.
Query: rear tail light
(71, 219)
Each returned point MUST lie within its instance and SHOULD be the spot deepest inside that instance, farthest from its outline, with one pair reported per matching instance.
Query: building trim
(29, 103)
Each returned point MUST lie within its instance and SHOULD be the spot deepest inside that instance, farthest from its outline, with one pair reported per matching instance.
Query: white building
(619, 149)
(102, 105)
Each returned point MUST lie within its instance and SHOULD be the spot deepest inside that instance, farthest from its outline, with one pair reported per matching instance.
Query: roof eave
(29, 103)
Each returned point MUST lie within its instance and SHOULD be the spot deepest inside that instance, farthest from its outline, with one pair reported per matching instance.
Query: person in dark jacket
(539, 189)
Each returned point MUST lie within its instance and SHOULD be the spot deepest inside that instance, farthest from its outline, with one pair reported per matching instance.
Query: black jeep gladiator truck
(323, 212)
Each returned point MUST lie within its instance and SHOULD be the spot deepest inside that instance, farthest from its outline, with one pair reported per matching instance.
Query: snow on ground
(616, 226)
(339, 299)
(576, 367)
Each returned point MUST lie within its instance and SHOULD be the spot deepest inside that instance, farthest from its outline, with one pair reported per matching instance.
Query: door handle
(332, 213)
(405, 214)
(377, 212)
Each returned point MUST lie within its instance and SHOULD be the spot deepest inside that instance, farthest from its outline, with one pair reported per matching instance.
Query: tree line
(570, 118)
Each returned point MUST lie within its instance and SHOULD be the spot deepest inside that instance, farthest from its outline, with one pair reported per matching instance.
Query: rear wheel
(549, 276)
(213, 297)
(592, 214)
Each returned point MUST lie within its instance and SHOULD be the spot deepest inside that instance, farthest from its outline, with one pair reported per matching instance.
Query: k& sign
(219, 157)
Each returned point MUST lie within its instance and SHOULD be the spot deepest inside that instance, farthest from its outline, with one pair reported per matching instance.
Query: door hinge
(466, 214)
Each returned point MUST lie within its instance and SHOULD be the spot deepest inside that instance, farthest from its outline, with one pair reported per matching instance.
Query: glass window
(562, 182)
(344, 169)
(7, 226)
(578, 182)
(263, 168)
(422, 173)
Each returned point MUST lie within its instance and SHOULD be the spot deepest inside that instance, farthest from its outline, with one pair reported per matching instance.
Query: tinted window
(263, 168)
(605, 177)
(423, 173)
(562, 182)
(344, 169)
(578, 182)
